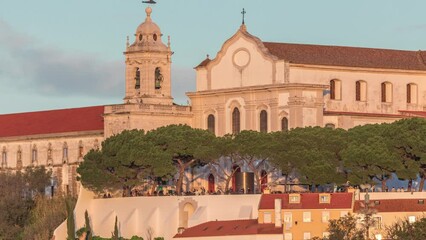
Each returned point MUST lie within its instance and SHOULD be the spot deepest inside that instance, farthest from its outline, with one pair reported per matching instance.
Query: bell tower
(148, 66)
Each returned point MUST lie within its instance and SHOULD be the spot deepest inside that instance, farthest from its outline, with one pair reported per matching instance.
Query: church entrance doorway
(235, 169)
(211, 188)
(264, 180)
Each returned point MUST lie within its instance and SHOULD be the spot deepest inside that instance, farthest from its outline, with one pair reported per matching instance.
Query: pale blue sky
(68, 53)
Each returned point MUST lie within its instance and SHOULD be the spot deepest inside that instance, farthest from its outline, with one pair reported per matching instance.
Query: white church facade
(249, 85)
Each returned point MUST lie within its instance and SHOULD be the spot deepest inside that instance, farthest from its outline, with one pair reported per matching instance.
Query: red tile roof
(395, 205)
(348, 56)
(52, 121)
(229, 228)
(307, 201)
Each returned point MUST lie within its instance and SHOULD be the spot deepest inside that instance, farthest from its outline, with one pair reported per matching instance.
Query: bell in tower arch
(137, 79)
(158, 78)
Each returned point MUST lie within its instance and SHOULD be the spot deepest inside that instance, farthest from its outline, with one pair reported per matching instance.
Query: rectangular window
(306, 235)
(324, 198)
(294, 198)
(288, 236)
(306, 216)
(378, 222)
(288, 220)
(325, 217)
(267, 217)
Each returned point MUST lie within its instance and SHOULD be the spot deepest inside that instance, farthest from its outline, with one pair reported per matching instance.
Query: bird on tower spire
(150, 2)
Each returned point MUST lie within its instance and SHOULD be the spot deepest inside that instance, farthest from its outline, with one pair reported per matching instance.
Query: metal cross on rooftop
(243, 13)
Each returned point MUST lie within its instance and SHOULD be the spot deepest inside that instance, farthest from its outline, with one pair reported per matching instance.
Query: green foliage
(404, 230)
(115, 233)
(368, 156)
(158, 238)
(183, 147)
(70, 220)
(87, 226)
(18, 192)
(344, 228)
(138, 238)
(251, 147)
(120, 238)
(80, 231)
(126, 160)
(45, 217)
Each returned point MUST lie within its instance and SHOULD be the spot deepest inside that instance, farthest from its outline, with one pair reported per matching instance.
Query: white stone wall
(137, 214)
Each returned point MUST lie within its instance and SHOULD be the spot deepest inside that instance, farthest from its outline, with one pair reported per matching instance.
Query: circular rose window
(241, 58)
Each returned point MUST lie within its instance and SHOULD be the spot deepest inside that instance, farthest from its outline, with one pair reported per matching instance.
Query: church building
(248, 85)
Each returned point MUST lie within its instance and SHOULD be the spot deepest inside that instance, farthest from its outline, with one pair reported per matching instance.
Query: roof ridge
(341, 46)
(51, 110)
(420, 57)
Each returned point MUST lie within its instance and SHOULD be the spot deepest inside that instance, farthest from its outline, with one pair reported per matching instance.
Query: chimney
(278, 202)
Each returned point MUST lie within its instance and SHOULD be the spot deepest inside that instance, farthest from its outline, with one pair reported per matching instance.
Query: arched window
(330, 125)
(96, 145)
(211, 187)
(264, 179)
(360, 91)
(34, 154)
(137, 78)
(284, 124)
(211, 123)
(65, 152)
(386, 90)
(235, 169)
(235, 121)
(412, 93)
(335, 90)
(4, 158)
(158, 78)
(263, 121)
(49, 154)
(19, 158)
(80, 149)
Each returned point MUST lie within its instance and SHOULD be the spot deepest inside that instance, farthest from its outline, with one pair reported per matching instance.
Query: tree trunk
(180, 181)
(384, 185)
(422, 184)
(227, 181)
(410, 185)
(285, 183)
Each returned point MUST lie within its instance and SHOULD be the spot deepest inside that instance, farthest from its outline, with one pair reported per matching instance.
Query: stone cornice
(94, 133)
(269, 87)
(357, 69)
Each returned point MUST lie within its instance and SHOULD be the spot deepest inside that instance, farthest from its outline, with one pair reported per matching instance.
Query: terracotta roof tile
(348, 56)
(395, 205)
(52, 121)
(228, 228)
(307, 201)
